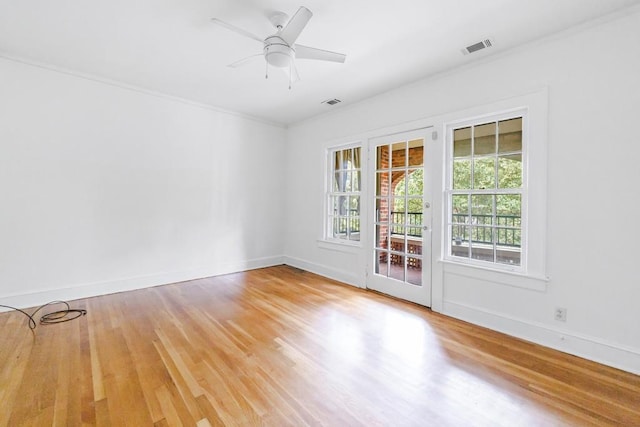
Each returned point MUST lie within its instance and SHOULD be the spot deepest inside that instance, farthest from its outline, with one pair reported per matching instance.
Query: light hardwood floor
(279, 346)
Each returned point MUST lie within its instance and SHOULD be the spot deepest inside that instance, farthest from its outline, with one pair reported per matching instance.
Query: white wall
(104, 188)
(591, 75)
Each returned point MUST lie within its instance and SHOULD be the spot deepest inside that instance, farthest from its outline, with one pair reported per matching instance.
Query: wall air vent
(477, 46)
(333, 101)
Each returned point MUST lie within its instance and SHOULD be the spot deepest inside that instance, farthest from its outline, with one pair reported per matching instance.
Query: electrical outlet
(561, 314)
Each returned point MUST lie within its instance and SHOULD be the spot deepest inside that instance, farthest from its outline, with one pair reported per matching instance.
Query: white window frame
(523, 191)
(329, 193)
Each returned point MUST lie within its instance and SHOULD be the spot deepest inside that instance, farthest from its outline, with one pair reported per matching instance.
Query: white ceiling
(171, 46)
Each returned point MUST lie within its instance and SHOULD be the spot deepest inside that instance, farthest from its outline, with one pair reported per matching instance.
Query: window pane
(508, 255)
(396, 270)
(400, 186)
(414, 210)
(461, 174)
(354, 205)
(482, 249)
(414, 248)
(416, 153)
(415, 230)
(484, 173)
(396, 218)
(382, 236)
(414, 271)
(508, 237)
(510, 132)
(355, 186)
(399, 155)
(415, 182)
(337, 160)
(397, 229)
(462, 142)
(347, 181)
(460, 241)
(337, 180)
(347, 159)
(484, 139)
(381, 262)
(382, 210)
(334, 205)
(508, 204)
(482, 209)
(382, 183)
(356, 158)
(344, 226)
(510, 171)
(399, 205)
(459, 208)
(354, 228)
(338, 227)
(481, 236)
(398, 241)
(342, 205)
(382, 158)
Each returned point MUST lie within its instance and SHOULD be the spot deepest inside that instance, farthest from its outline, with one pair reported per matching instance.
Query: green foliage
(412, 188)
(484, 177)
(510, 171)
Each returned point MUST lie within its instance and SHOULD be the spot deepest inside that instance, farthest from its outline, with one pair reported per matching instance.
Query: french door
(400, 248)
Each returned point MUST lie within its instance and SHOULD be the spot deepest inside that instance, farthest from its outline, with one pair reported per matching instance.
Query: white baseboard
(591, 348)
(86, 290)
(340, 275)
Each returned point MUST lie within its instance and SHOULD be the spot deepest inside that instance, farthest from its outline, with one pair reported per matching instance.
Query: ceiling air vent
(333, 101)
(477, 46)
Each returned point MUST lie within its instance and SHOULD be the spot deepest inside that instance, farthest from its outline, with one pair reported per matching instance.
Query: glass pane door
(400, 254)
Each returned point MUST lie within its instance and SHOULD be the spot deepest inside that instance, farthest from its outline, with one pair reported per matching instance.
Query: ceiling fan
(280, 49)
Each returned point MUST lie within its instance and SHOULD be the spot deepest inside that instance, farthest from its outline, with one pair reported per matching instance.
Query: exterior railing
(507, 229)
(413, 223)
(476, 228)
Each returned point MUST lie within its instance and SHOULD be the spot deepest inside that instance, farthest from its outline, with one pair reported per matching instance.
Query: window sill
(503, 277)
(340, 246)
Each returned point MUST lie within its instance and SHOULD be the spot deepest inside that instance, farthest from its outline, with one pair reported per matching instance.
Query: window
(486, 191)
(343, 195)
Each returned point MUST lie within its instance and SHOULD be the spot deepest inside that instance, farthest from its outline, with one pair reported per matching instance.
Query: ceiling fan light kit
(280, 49)
(277, 52)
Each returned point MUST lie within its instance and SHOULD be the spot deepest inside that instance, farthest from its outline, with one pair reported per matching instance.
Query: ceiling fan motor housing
(277, 52)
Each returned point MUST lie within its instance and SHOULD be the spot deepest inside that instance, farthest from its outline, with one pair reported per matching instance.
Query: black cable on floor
(53, 317)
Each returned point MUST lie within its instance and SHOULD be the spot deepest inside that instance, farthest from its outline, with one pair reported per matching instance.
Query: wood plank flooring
(279, 347)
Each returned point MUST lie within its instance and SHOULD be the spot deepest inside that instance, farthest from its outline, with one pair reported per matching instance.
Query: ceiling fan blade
(237, 30)
(244, 61)
(295, 26)
(306, 52)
